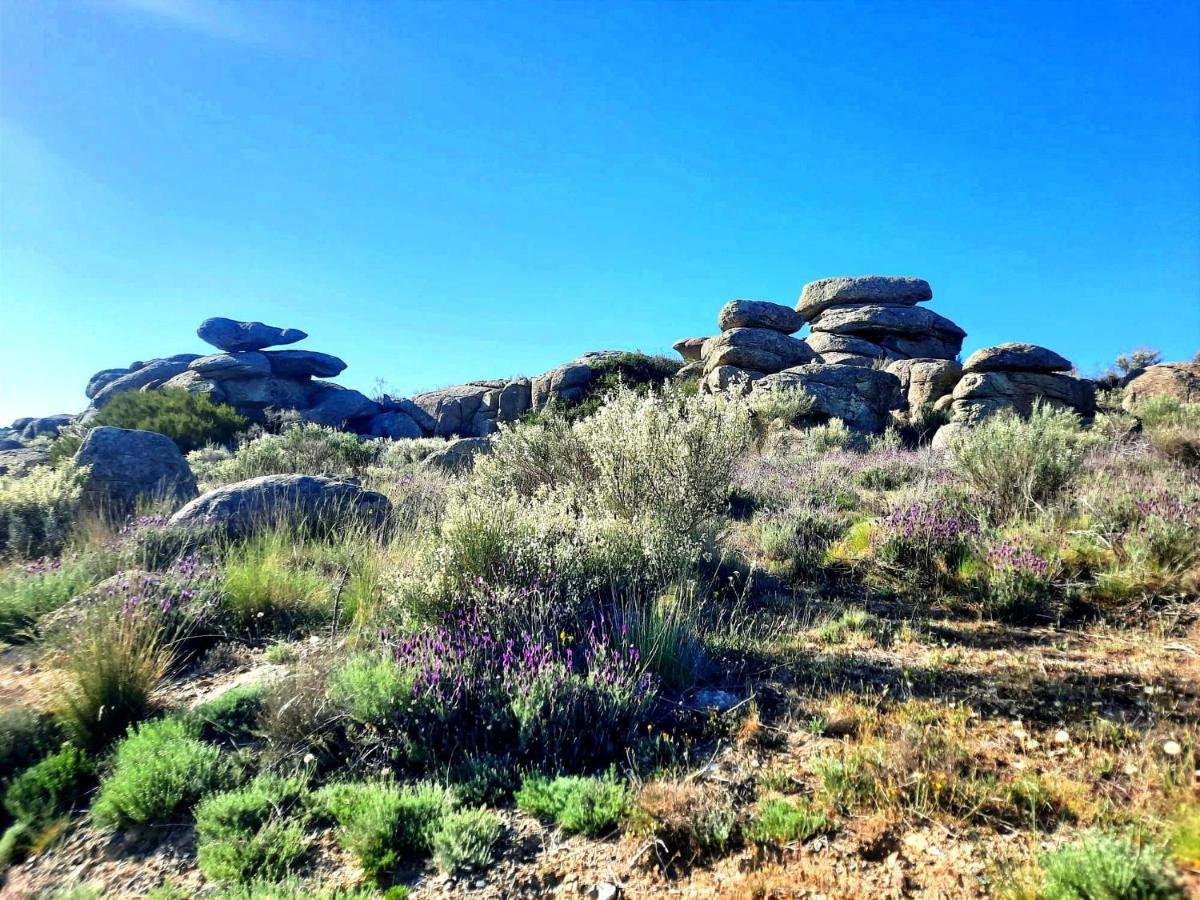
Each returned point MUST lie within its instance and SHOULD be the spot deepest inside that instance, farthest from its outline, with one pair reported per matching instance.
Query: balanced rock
(1178, 380)
(1016, 357)
(304, 364)
(125, 465)
(881, 290)
(689, 348)
(230, 335)
(758, 349)
(237, 364)
(863, 398)
(925, 381)
(759, 314)
(904, 332)
(981, 394)
(844, 349)
(307, 501)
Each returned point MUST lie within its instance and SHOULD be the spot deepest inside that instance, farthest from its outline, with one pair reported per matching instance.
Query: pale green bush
(1017, 465)
(304, 449)
(38, 510)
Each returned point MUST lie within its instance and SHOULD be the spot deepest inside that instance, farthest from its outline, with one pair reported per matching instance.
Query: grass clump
(38, 510)
(577, 804)
(190, 420)
(159, 772)
(382, 823)
(267, 588)
(781, 821)
(29, 592)
(256, 832)
(1017, 465)
(1100, 866)
(466, 840)
(51, 788)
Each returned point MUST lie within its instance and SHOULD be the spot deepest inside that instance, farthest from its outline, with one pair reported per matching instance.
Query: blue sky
(444, 191)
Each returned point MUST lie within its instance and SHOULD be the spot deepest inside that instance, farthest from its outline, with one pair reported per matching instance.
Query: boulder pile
(755, 341)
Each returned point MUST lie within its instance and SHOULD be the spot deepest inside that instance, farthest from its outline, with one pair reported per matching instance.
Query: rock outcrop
(863, 398)
(1015, 376)
(125, 465)
(925, 382)
(303, 501)
(1178, 380)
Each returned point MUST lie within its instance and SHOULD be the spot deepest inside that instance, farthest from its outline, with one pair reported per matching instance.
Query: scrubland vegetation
(673, 642)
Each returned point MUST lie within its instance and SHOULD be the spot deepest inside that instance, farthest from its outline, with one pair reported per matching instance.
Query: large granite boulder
(125, 465)
(689, 348)
(759, 314)
(758, 349)
(730, 378)
(458, 455)
(394, 425)
(334, 405)
(238, 364)
(150, 375)
(427, 422)
(253, 396)
(881, 290)
(1016, 357)
(845, 349)
(20, 460)
(195, 383)
(863, 398)
(878, 320)
(981, 394)
(925, 381)
(10, 443)
(46, 426)
(231, 335)
(567, 383)
(453, 409)
(101, 379)
(1177, 380)
(307, 501)
(304, 364)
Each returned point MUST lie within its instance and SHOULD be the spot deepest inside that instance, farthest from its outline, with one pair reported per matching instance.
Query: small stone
(1062, 737)
(606, 890)
(1172, 748)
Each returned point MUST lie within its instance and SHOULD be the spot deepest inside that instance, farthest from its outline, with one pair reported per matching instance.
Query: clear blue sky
(444, 191)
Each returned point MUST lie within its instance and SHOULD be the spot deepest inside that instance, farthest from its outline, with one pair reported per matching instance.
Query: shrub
(466, 840)
(252, 833)
(1167, 412)
(1098, 865)
(30, 592)
(190, 420)
(798, 540)
(1019, 581)
(579, 805)
(1016, 465)
(829, 437)
(25, 737)
(921, 545)
(786, 408)
(689, 822)
(782, 822)
(372, 689)
(38, 510)
(305, 449)
(296, 889)
(485, 779)
(232, 716)
(1181, 445)
(1185, 837)
(15, 844)
(159, 772)
(381, 823)
(50, 788)
(636, 372)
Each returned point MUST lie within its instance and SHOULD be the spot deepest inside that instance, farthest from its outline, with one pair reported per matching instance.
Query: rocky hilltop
(874, 355)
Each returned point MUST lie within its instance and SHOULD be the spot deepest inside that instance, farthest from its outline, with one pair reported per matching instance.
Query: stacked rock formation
(755, 340)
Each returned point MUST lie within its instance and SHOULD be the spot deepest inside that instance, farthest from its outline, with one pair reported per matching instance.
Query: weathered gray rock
(863, 398)
(758, 349)
(881, 290)
(395, 425)
(871, 320)
(759, 314)
(250, 395)
(155, 372)
(427, 422)
(929, 347)
(1016, 358)
(125, 465)
(689, 371)
(981, 394)
(8, 443)
(307, 501)
(19, 424)
(453, 409)
(925, 381)
(689, 348)
(230, 335)
(21, 460)
(101, 379)
(238, 364)
(944, 437)
(46, 426)
(334, 405)
(567, 383)
(730, 378)
(823, 343)
(459, 455)
(195, 383)
(304, 364)
(1178, 380)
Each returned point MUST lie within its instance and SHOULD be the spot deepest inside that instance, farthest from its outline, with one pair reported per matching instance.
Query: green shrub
(371, 688)
(30, 592)
(25, 738)
(305, 449)
(296, 889)
(1102, 867)
(786, 408)
(798, 540)
(485, 779)
(830, 436)
(466, 840)
(51, 788)
(1167, 412)
(578, 804)
(256, 832)
(381, 823)
(1185, 837)
(636, 372)
(190, 420)
(233, 716)
(38, 510)
(159, 772)
(782, 822)
(1016, 465)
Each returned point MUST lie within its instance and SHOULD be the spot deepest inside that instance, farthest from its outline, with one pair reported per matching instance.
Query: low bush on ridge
(38, 511)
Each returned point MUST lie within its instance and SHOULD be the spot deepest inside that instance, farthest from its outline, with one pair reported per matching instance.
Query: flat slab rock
(883, 290)
(877, 319)
(1016, 357)
(230, 334)
(759, 314)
